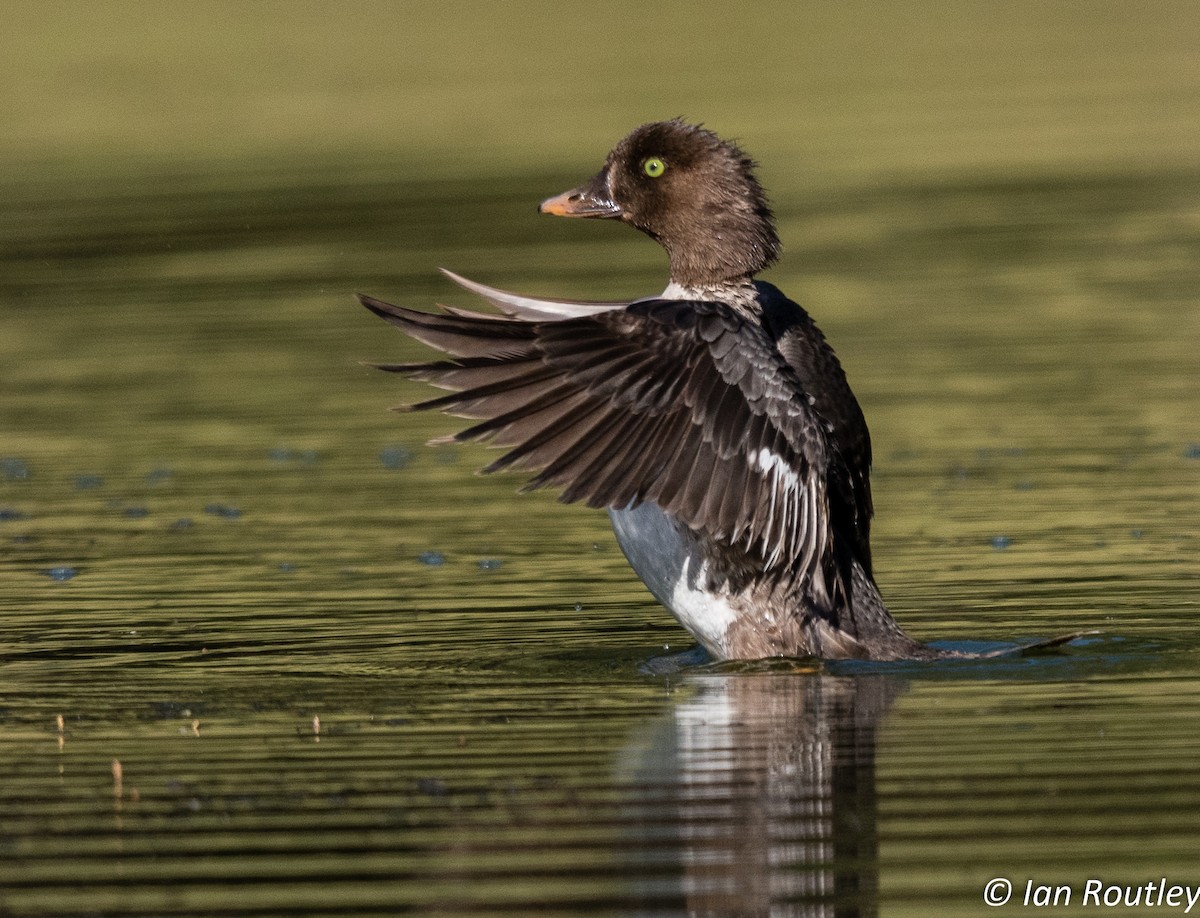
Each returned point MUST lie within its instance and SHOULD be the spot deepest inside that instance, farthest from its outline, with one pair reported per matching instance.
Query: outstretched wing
(682, 403)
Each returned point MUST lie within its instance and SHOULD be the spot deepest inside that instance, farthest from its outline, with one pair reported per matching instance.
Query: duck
(713, 422)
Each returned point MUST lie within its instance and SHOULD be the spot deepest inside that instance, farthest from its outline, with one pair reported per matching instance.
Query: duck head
(689, 190)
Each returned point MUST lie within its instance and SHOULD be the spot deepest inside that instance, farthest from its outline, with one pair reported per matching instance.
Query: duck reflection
(758, 797)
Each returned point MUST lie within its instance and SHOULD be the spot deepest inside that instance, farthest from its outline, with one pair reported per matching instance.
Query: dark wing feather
(686, 404)
(820, 375)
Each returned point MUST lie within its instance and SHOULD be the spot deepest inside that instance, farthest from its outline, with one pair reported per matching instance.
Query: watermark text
(1160, 893)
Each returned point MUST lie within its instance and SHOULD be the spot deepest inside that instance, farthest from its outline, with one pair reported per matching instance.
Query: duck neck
(739, 293)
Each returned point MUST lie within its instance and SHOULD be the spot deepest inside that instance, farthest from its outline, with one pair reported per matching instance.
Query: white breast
(669, 561)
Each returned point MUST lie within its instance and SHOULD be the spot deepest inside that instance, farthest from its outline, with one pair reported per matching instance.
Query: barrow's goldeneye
(713, 422)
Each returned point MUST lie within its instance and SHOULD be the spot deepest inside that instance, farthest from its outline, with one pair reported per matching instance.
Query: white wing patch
(793, 516)
(776, 466)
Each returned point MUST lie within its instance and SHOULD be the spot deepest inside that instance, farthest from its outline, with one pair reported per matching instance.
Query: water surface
(341, 674)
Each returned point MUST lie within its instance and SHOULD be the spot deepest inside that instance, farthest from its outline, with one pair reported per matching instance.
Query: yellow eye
(654, 167)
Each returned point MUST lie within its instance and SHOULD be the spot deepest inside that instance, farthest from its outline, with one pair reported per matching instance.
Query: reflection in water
(765, 788)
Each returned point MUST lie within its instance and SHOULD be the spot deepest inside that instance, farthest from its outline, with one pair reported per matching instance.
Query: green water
(341, 674)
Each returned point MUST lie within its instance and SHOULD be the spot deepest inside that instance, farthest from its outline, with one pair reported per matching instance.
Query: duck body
(713, 422)
(721, 591)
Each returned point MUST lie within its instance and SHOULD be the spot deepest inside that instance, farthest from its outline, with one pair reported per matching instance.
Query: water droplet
(1001, 542)
(395, 457)
(158, 476)
(432, 558)
(432, 787)
(61, 573)
(14, 469)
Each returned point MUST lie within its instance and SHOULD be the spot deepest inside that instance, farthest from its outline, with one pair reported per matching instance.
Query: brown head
(692, 192)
